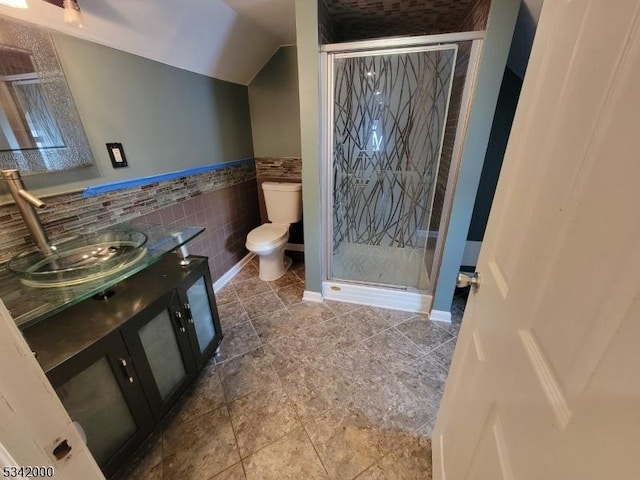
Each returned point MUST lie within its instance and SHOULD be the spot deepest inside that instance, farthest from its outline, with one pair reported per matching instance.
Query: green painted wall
(167, 119)
(502, 19)
(309, 77)
(275, 106)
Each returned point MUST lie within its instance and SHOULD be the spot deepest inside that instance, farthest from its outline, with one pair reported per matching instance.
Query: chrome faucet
(26, 202)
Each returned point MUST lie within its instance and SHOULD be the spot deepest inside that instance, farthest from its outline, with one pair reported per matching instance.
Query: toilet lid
(268, 233)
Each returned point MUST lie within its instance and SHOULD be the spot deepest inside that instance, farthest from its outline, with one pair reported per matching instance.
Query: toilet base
(272, 267)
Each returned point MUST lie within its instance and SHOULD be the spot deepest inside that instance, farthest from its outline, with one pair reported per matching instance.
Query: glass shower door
(389, 114)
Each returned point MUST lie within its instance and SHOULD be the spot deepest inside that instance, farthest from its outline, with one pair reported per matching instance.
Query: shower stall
(395, 113)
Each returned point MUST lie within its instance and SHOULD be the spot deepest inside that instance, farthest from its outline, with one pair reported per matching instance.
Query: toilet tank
(283, 201)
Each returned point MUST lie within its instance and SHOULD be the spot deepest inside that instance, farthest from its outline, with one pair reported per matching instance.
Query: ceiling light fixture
(73, 14)
(15, 3)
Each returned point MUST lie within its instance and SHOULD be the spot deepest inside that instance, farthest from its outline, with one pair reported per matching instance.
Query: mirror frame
(76, 152)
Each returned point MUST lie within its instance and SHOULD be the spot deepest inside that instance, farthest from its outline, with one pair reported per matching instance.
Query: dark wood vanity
(121, 359)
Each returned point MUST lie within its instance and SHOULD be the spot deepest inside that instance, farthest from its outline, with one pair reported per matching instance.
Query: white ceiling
(226, 39)
(203, 36)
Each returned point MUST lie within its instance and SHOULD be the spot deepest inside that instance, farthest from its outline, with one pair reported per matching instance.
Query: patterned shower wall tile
(351, 20)
(279, 167)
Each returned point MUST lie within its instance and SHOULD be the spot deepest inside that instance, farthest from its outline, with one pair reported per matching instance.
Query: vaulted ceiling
(232, 39)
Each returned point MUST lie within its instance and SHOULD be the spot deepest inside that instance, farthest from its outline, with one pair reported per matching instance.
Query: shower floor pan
(377, 265)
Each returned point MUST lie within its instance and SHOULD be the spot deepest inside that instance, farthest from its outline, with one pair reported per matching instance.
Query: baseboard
(232, 272)
(294, 247)
(440, 316)
(377, 297)
(310, 296)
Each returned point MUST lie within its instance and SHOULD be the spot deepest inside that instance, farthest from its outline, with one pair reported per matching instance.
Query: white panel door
(545, 381)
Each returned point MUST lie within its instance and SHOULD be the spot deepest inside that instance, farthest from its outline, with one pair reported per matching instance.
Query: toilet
(284, 207)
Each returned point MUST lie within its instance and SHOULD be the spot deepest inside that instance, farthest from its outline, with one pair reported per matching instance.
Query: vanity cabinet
(101, 391)
(120, 361)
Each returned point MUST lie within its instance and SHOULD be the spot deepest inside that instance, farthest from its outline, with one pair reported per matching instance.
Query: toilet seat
(266, 235)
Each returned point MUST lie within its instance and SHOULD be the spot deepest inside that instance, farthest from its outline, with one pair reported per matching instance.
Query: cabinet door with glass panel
(101, 390)
(158, 340)
(196, 296)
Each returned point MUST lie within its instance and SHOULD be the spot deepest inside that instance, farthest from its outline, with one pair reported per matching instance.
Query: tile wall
(224, 201)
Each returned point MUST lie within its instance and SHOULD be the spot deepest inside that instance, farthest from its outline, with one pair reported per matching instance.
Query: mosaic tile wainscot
(224, 201)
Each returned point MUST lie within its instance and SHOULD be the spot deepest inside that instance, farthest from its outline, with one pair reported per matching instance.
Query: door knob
(465, 280)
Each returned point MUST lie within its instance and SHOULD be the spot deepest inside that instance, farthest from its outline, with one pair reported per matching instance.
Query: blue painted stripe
(140, 181)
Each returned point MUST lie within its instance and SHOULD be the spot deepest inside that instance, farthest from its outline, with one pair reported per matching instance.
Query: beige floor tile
(251, 287)
(393, 348)
(146, 464)
(198, 448)
(262, 304)
(311, 392)
(249, 271)
(424, 333)
(291, 294)
(204, 396)
(340, 308)
(235, 472)
(231, 314)
(276, 325)
(246, 373)
(262, 417)
(363, 322)
(311, 312)
(226, 295)
(409, 460)
(347, 442)
(288, 278)
(444, 353)
(290, 458)
(393, 317)
(239, 339)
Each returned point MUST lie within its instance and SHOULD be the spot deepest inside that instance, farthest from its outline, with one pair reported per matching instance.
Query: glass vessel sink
(80, 259)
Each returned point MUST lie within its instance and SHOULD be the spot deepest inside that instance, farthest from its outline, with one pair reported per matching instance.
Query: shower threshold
(375, 265)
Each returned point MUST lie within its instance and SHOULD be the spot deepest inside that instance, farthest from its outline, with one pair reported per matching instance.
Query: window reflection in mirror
(40, 129)
(26, 119)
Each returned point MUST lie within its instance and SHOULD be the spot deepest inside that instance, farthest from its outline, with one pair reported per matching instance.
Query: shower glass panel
(389, 113)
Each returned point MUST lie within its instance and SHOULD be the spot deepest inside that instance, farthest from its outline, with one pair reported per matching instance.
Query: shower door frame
(404, 298)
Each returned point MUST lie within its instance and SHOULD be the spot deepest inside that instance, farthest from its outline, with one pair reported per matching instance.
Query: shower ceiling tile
(357, 19)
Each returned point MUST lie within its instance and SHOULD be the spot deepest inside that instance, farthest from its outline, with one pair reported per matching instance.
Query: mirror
(40, 129)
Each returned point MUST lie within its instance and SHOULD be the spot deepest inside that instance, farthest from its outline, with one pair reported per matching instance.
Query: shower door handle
(465, 280)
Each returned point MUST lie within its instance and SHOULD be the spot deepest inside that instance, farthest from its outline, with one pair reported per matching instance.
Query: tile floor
(305, 391)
